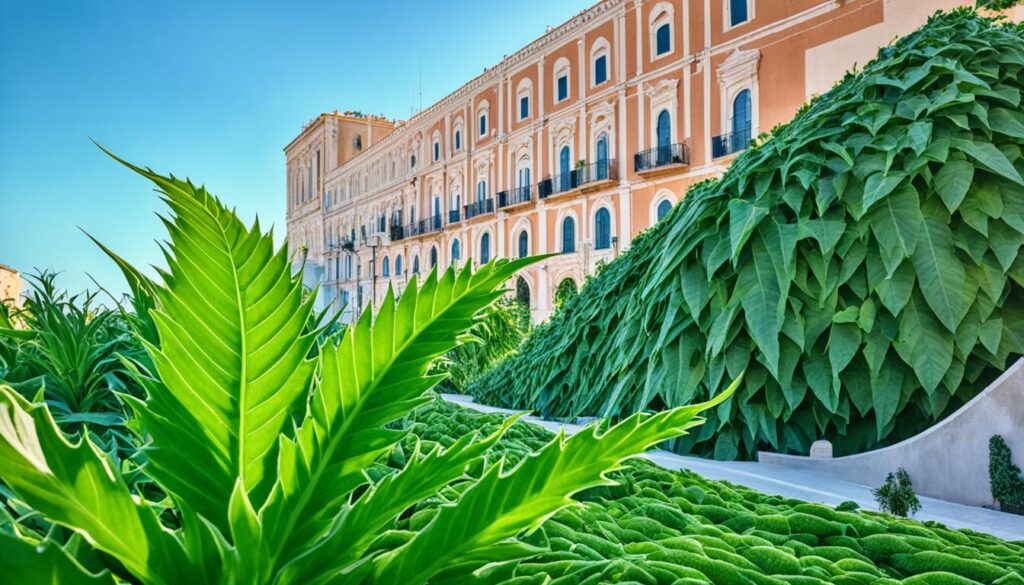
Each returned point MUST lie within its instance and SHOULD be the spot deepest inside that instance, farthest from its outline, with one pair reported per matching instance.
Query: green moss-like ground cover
(862, 267)
(664, 527)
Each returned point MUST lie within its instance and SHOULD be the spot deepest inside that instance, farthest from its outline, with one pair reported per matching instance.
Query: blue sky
(208, 90)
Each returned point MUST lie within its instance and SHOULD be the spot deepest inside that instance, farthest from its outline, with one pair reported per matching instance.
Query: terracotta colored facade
(574, 144)
(10, 285)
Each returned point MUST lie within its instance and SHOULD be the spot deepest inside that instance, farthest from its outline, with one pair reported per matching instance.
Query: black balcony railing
(479, 208)
(514, 196)
(661, 156)
(423, 226)
(579, 177)
(454, 216)
(727, 144)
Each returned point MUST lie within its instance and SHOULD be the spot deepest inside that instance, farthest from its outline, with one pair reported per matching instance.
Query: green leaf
(502, 504)
(76, 486)
(885, 397)
(952, 182)
(878, 186)
(762, 300)
(896, 223)
(843, 344)
(990, 334)
(743, 218)
(25, 562)
(991, 157)
(924, 344)
(233, 360)
(941, 274)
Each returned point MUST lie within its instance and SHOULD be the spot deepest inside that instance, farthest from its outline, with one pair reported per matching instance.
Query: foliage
(663, 527)
(998, 5)
(494, 338)
(1005, 477)
(264, 439)
(565, 292)
(896, 496)
(862, 266)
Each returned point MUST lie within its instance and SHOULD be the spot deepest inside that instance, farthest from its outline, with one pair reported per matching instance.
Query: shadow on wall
(949, 461)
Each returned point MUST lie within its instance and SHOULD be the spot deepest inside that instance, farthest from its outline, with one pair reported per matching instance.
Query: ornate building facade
(572, 145)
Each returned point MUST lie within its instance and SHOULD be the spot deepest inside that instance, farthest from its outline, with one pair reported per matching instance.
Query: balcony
(731, 143)
(670, 156)
(396, 232)
(454, 216)
(423, 226)
(479, 208)
(514, 197)
(593, 175)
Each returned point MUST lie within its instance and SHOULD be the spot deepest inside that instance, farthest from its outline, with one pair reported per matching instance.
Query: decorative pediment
(739, 65)
(665, 86)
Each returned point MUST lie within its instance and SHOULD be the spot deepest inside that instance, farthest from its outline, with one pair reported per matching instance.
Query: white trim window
(600, 62)
(483, 120)
(562, 83)
(662, 30)
(737, 13)
(524, 94)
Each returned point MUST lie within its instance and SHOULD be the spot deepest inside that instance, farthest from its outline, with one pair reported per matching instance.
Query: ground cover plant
(862, 265)
(261, 430)
(659, 527)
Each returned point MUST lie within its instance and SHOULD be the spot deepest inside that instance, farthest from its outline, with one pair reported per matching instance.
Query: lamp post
(374, 242)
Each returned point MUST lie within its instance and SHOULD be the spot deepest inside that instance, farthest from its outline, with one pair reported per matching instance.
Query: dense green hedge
(862, 266)
(663, 527)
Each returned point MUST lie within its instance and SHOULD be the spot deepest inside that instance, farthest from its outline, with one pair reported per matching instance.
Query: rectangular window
(524, 107)
(437, 151)
(664, 38)
(737, 12)
(458, 140)
(600, 70)
(483, 125)
(563, 87)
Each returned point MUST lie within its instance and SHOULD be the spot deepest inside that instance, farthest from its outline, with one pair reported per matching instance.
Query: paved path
(810, 486)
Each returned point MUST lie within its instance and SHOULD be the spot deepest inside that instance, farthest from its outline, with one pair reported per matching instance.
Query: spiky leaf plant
(862, 265)
(265, 450)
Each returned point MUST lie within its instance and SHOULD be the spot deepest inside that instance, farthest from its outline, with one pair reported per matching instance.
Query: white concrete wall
(948, 461)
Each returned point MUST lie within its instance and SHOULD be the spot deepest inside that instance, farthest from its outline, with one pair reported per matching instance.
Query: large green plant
(264, 450)
(863, 266)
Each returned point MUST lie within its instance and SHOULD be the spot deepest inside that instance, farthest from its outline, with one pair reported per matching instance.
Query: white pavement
(810, 486)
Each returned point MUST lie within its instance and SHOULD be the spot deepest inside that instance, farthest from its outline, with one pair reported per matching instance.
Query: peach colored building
(573, 144)
(10, 285)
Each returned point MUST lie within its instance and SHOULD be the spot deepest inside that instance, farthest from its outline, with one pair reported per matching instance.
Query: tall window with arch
(524, 244)
(565, 166)
(437, 151)
(433, 256)
(437, 211)
(568, 235)
(458, 140)
(416, 264)
(386, 267)
(741, 121)
(398, 265)
(663, 38)
(485, 248)
(483, 124)
(456, 250)
(664, 136)
(663, 208)
(600, 69)
(602, 157)
(481, 190)
(602, 229)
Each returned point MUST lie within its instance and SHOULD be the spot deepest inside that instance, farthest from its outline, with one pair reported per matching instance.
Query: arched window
(357, 143)
(386, 267)
(561, 71)
(524, 244)
(485, 248)
(456, 250)
(437, 151)
(565, 292)
(483, 124)
(522, 291)
(568, 235)
(663, 208)
(602, 157)
(416, 264)
(433, 256)
(663, 39)
(398, 265)
(741, 118)
(564, 166)
(458, 140)
(664, 128)
(602, 229)
(481, 190)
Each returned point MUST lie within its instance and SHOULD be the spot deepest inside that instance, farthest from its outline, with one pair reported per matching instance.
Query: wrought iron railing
(579, 177)
(727, 144)
(423, 226)
(515, 196)
(396, 232)
(661, 156)
(454, 216)
(479, 208)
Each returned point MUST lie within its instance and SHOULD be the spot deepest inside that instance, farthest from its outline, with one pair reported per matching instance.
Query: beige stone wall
(10, 285)
(785, 52)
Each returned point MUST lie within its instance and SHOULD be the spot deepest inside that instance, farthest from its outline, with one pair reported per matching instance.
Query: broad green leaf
(886, 397)
(878, 186)
(990, 156)
(25, 562)
(952, 182)
(743, 218)
(924, 344)
(896, 222)
(762, 300)
(75, 486)
(942, 276)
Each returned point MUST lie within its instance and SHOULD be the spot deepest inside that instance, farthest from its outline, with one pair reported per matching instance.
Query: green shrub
(862, 266)
(896, 496)
(1005, 477)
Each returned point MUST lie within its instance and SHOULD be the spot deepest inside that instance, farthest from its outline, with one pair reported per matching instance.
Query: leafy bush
(896, 496)
(495, 337)
(1005, 477)
(862, 266)
(265, 441)
(663, 527)
(998, 4)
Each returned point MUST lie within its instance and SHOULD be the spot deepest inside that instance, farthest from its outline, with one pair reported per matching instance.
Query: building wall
(784, 53)
(10, 285)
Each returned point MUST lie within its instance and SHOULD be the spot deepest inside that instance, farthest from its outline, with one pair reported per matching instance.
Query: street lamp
(373, 242)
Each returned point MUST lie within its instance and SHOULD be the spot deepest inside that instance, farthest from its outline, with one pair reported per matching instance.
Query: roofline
(362, 120)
